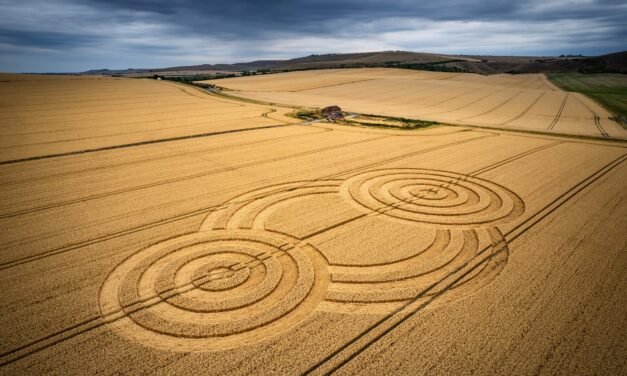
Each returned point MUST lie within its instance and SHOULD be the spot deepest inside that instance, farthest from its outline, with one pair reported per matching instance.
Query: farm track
(597, 119)
(559, 112)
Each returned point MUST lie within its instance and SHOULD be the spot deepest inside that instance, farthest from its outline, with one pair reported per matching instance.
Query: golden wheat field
(524, 101)
(153, 228)
(44, 115)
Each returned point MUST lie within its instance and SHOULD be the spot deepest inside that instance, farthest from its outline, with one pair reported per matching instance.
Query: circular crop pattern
(439, 198)
(215, 289)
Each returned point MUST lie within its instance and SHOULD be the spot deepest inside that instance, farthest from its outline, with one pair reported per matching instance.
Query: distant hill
(611, 63)
(615, 62)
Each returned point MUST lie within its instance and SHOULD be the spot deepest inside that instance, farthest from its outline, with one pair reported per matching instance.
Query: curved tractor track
(236, 281)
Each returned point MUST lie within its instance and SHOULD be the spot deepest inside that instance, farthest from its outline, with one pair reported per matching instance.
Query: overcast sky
(70, 35)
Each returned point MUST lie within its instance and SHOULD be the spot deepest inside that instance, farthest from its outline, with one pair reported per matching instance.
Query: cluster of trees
(262, 71)
(196, 77)
(438, 66)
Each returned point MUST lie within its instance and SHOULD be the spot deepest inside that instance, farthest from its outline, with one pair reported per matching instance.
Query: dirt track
(296, 249)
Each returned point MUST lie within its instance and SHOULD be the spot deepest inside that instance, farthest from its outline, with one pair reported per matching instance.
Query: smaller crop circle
(432, 197)
(214, 289)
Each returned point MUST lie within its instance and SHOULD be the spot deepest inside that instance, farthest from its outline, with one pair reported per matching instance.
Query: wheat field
(149, 227)
(524, 101)
(45, 115)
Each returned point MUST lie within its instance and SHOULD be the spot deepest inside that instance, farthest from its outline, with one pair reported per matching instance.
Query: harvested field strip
(343, 355)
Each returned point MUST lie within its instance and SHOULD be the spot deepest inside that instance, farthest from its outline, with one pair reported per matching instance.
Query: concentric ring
(215, 289)
(431, 197)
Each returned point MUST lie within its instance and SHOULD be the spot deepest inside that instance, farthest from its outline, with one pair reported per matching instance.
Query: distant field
(44, 115)
(523, 101)
(609, 89)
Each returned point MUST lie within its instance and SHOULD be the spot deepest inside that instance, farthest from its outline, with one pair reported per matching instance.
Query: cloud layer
(72, 35)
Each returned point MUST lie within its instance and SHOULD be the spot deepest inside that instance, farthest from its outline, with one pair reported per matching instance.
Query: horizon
(116, 69)
(75, 36)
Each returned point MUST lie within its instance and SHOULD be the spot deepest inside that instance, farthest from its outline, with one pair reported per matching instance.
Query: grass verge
(608, 89)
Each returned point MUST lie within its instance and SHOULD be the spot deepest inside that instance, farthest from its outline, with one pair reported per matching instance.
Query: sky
(74, 36)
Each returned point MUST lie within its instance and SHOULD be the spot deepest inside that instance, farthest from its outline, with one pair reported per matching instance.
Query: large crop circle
(215, 289)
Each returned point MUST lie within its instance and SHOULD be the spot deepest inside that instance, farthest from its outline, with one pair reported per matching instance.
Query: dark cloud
(160, 32)
(243, 17)
(48, 40)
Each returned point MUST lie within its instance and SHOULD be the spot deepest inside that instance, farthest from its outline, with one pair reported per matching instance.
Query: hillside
(613, 63)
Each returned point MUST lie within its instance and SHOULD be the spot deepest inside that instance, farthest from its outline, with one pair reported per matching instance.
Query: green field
(609, 89)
